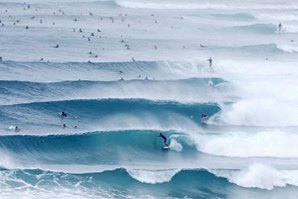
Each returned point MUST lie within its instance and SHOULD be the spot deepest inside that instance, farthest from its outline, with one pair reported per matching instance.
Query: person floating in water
(164, 139)
(204, 118)
(279, 28)
(64, 126)
(63, 114)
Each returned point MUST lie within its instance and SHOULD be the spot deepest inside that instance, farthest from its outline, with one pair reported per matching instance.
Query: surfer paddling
(63, 114)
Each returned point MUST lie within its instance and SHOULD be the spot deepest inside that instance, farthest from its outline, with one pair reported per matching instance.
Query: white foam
(284, 89)
(175, 145)
(7, 160)
(199, 5)
(239, 144)
(260, 112)
(261, 176)
(245, 68)
(288, 47)
(291, 28)
(152, 176)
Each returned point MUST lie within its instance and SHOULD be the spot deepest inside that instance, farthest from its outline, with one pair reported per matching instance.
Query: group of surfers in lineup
(204, 119)
(63, 114)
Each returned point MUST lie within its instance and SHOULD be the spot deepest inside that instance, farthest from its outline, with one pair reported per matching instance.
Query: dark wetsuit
(63, 114)
(210, 62)
(204, 117)
(164, 139)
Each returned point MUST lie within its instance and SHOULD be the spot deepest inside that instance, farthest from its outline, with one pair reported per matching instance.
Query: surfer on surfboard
(164, 140)
(204, 118)
(14, 128)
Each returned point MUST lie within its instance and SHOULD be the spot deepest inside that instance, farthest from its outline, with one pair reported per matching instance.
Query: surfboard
(60, 115)
(12, 128)
(165, 147)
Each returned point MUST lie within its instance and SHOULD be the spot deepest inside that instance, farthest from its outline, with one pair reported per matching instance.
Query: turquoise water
(139, 68)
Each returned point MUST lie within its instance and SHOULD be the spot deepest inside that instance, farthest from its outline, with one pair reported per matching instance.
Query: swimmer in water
(63, 114)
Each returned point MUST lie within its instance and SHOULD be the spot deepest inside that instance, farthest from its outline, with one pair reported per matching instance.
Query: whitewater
(125, 71)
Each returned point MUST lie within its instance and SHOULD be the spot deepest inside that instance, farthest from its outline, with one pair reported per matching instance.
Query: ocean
(124, 72)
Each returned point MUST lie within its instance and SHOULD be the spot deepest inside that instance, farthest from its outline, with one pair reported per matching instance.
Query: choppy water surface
(125, 71)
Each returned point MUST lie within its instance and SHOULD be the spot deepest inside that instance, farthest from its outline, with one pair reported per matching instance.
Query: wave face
(95, 148)
(259, 28)
(106, 114)
(107, 99)
(13, 91)
(125, 183)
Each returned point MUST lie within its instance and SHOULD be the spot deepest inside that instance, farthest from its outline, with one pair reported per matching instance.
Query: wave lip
(152, 177)
(105, 114)
(255, 176)
(194, 5)
(260, 176)
(182, 90)
(236, 16)
(258, 28)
